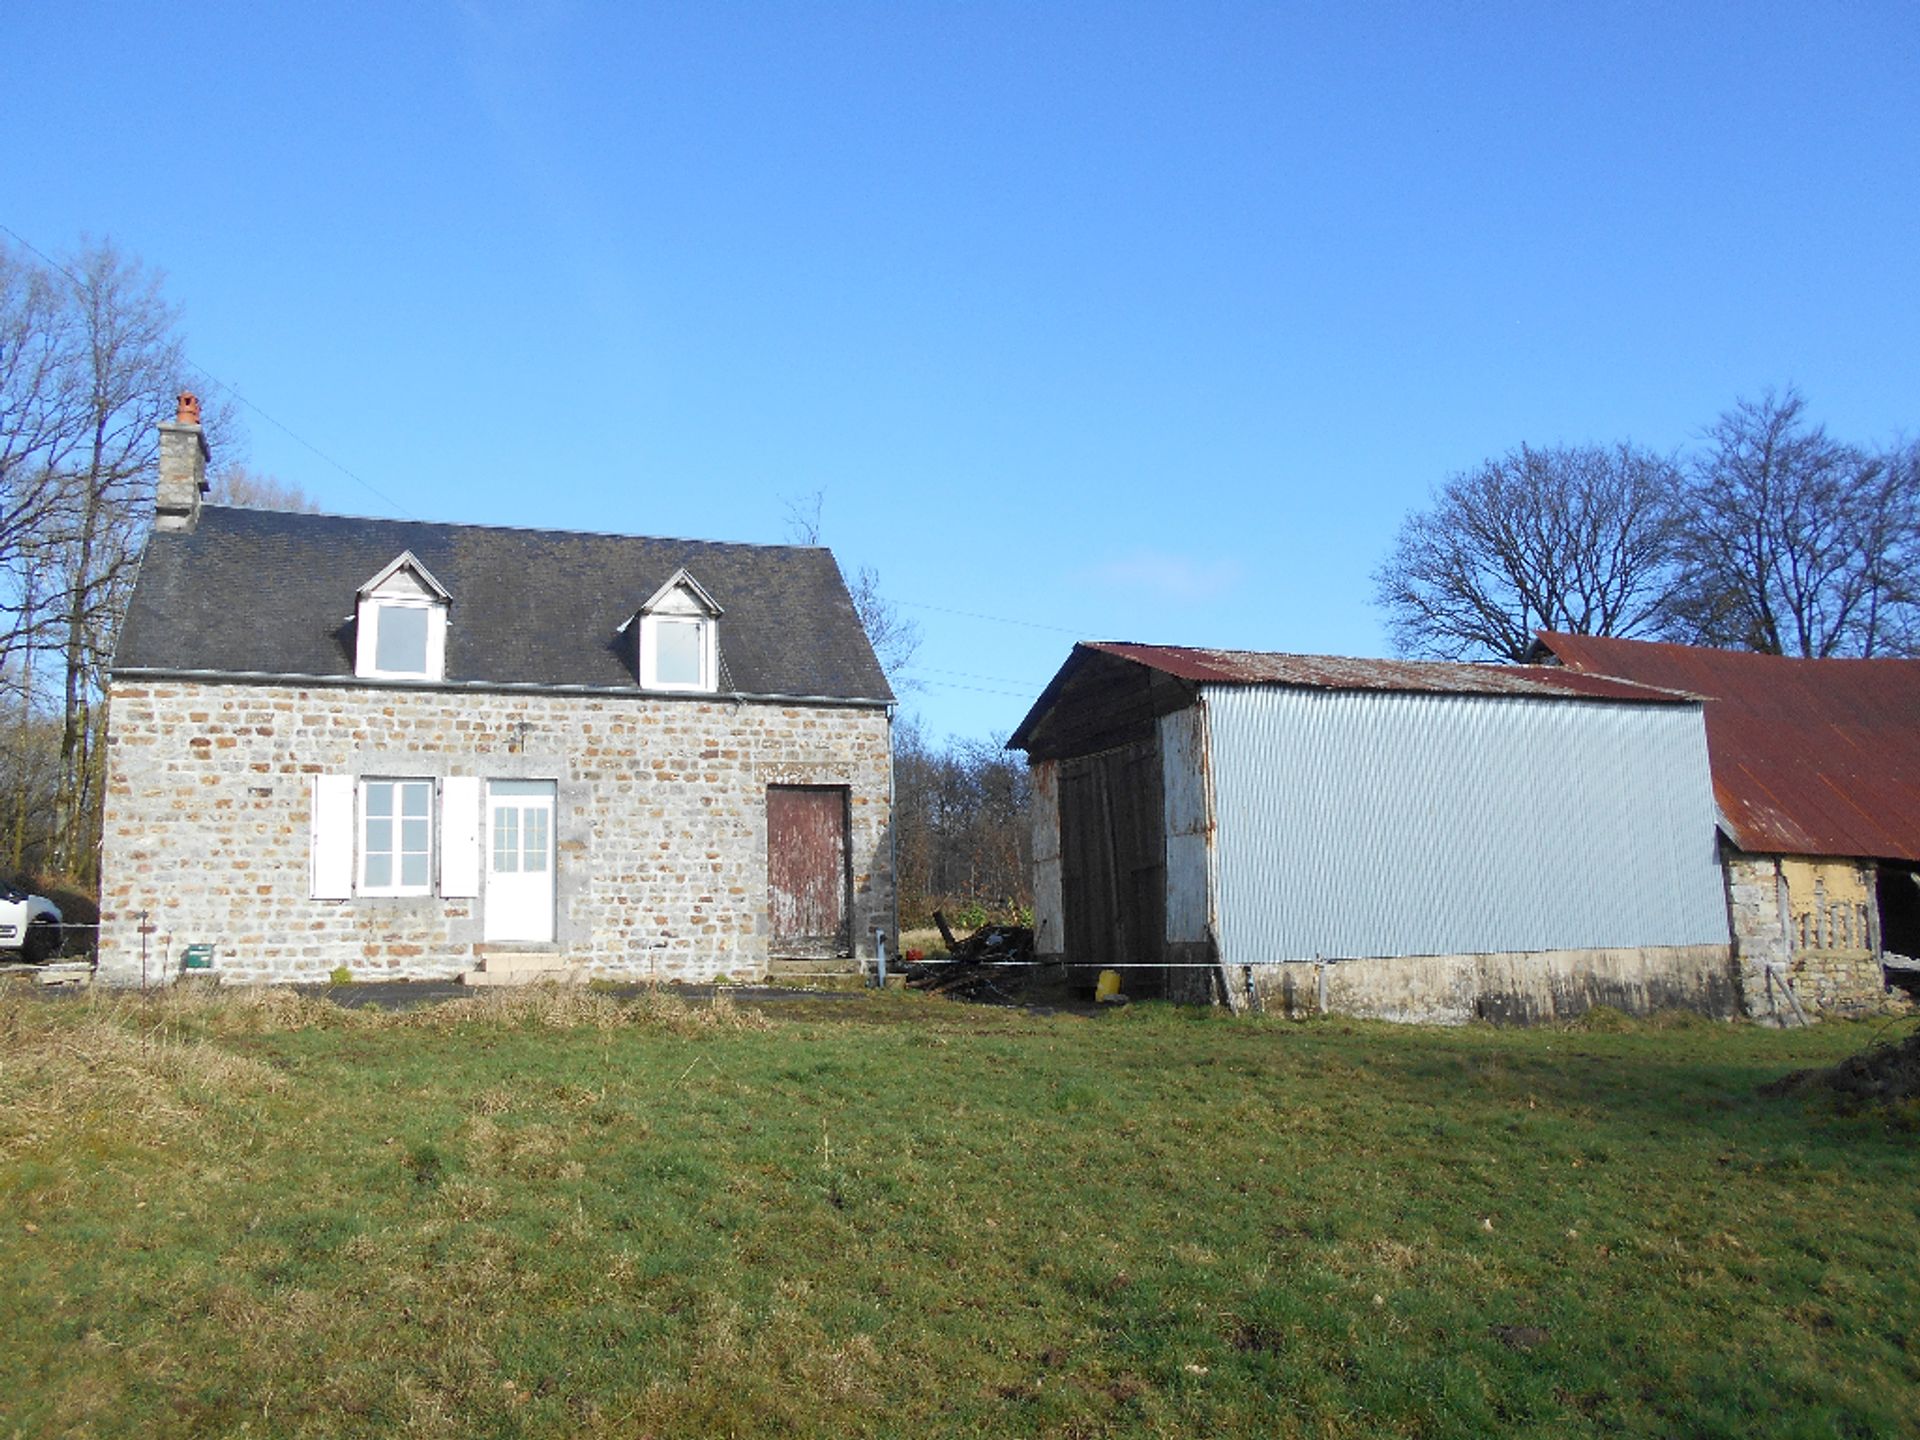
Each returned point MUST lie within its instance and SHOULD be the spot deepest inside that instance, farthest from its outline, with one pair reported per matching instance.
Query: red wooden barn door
(807, 874)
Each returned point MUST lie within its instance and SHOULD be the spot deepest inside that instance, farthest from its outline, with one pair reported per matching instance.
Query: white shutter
(332, 837)
(460, 808)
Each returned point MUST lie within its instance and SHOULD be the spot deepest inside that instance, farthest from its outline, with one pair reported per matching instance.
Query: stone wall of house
(1811, 922)
(661, 836)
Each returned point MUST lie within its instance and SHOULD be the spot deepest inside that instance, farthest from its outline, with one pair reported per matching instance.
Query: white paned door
(519, 900)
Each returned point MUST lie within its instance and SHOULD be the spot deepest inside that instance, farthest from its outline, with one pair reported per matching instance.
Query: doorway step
(524, 967)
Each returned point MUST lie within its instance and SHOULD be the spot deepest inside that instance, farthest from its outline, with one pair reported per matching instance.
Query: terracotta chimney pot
(183, 468)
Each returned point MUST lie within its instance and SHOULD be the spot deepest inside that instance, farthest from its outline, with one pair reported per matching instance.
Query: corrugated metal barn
(1408, 840)
(1816, 768)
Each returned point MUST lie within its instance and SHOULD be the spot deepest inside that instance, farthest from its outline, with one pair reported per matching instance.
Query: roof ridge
(513, 529)
(1714, 654)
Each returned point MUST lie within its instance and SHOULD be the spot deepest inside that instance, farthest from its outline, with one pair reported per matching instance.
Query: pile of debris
(1885, 1073)
(995, 962)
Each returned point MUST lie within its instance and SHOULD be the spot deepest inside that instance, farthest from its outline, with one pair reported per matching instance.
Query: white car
(30, 924)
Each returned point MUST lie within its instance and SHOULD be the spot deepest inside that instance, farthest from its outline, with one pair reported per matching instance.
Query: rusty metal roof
(1336, 672)
(1809, 757)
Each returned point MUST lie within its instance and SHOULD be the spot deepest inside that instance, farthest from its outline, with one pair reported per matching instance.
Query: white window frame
(367, 638)
(396, 887)
(650, 653)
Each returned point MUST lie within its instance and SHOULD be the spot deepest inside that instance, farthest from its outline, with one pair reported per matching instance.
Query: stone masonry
(661, 836)
(1526, 988)
(1812, 922)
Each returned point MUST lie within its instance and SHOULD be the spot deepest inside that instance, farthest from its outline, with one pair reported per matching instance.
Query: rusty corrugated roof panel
(1810, 757)
(1336, 672)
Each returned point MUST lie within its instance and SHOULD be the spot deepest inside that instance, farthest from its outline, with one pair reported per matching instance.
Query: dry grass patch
(110, 1064)
(567, 1007)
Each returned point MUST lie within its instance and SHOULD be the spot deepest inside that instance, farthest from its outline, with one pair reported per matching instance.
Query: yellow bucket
(1107, 987)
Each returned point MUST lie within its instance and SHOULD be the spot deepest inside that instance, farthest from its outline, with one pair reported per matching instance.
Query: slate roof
(269, 593)
(1809, 757)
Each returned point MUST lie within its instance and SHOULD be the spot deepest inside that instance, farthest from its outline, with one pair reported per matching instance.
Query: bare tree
(1893, 620)
(29, 773)
(1794, 543)
(41, 405)
(250, 490)
(962, 832)
(803, 516)
(131, 365)
(90, 359)
(894, 638)
(1577, 539)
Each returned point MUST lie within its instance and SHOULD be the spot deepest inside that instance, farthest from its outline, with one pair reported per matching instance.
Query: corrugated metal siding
(1372, 824)
(1810, 757)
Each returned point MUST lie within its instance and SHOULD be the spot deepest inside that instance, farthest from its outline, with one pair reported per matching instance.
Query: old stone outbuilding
(1396, 839)
(1816, 773)
(425, 750)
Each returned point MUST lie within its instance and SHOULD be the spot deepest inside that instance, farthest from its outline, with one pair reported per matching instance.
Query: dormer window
(400, 624)
(679, 638)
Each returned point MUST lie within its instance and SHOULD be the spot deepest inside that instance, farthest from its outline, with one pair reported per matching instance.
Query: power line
(979, 689)
(973, 675)
(277, 424)
(366, 484)
(997, 619)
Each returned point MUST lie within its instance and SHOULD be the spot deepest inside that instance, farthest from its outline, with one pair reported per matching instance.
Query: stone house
(1394, 839)
(423, 750)
(1816, 776)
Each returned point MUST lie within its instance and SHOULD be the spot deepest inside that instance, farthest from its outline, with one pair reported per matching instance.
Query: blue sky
(1118, 321)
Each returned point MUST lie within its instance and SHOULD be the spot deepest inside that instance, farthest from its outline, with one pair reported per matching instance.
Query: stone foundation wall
(661, 837)
(1814, 921)
(1529, 988)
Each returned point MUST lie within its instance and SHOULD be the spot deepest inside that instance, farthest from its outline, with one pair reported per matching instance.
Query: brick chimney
(183, 468)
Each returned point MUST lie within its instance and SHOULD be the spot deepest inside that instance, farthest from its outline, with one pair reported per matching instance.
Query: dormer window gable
(679, 648)
(400, 623)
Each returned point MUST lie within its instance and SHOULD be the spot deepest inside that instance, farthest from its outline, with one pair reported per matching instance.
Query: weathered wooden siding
(1183, 771)
(1049, 919)
(1113, 857)
(807, 870)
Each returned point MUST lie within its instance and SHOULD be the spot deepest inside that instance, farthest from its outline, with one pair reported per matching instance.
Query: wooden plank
(1113, 859)
(807, 870)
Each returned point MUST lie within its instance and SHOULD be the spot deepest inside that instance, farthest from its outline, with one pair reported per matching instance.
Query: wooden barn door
(1113, 861)
(807, 871)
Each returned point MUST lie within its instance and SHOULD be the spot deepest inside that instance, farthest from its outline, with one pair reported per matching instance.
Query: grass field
(568, 1216)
